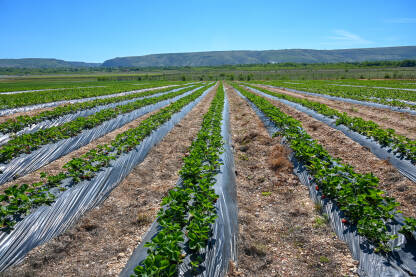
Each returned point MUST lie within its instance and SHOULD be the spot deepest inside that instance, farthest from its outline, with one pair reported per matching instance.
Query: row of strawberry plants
(189, 209)
(19, 200)
(24, 85)
(376, 95)
(26, 143)
(406, 147)
(382, 84)
(375, 83)
(39, 97)
(20, 122)
(357, 195)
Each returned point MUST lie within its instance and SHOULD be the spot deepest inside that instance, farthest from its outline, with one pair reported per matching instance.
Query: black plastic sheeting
(401, 262)
(404, 166)
(349, 100)
(223, 245)
(27, 163)
(57, 103)
(46, 222)
(69, 117)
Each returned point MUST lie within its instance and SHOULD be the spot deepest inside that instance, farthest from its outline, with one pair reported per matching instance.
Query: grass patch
(320, 221)
(324, 259)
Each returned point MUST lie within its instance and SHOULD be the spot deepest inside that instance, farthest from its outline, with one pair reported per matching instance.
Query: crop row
(357, 195)
(19, 200)
(189, 210)
(11, 86)
(382, 84)
(406, 147)
(38, 97)
(406, 84)
(26, 143)
(377, 95)
(20, 122)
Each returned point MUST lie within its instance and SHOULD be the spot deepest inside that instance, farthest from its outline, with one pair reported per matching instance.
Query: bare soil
(403, 123)
(56, 166)
(28, 113)
(281, 231)
(101, 243)
(352, 153)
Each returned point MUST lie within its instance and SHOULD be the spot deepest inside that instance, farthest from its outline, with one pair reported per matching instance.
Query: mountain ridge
(43, 63)
(232, 57)
(215, 58)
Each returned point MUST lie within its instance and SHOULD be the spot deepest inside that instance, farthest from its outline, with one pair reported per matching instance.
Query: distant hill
(268, 56)
(215, 58)
(43, 63)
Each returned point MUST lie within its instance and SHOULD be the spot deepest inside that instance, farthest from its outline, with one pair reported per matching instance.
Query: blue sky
(96, 30)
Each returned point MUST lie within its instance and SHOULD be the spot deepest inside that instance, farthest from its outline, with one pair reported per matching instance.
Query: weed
(320, 221)
(143, 218)
(324, 259)
(243, 157)
(318, 208)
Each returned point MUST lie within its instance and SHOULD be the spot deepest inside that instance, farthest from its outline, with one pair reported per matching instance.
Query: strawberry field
(259, 178)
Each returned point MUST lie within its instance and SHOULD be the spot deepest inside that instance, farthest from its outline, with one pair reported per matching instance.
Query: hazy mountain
(267, 56)
(43, 63)
(232, 57)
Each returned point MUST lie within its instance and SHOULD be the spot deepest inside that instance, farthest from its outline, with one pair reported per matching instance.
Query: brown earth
(340, 146)
(403, 123)
(103, 240)
(28, 113)
(56, 166)
(281, 231)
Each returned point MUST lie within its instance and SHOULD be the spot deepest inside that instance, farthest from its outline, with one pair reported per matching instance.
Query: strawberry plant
(27, 143)
(190, 207)
(403, 146)
(357, 195)
(38, 97)
(16, 124)
(391, 97)
(409, 227)
(19, 200)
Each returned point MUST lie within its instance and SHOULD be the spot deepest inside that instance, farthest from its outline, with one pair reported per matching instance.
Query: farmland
(397, 94)
(238, 177)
